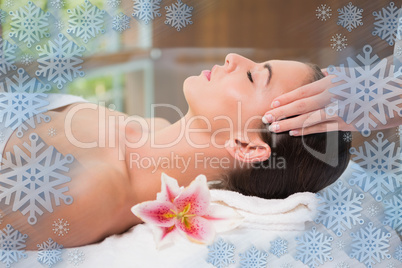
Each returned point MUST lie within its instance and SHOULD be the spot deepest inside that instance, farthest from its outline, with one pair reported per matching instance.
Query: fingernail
(293, 132)
(273, 127)
(268, 118)
(275, 104)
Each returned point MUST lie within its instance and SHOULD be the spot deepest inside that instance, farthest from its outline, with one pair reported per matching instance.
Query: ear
(248, 151)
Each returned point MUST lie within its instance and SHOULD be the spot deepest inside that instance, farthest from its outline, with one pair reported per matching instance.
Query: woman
(221, 136)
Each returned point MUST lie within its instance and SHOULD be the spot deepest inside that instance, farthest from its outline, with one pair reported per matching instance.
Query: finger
(303, 92)
(298, 107)
(318, 128)
(301, 121)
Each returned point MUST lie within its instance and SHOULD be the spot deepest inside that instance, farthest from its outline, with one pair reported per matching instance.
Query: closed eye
(250, 77)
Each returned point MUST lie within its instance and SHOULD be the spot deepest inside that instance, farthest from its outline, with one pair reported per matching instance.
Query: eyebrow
(269, 67)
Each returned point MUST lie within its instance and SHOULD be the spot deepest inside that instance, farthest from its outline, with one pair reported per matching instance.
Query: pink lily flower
(186, 211)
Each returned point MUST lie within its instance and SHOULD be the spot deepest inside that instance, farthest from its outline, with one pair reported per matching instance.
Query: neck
(183, 151)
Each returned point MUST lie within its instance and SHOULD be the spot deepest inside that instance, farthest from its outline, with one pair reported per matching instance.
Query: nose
(233, 60)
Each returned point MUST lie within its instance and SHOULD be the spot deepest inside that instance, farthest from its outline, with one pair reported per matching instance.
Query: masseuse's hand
(308, 102)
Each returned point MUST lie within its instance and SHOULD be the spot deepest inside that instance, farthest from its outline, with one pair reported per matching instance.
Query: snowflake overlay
(378, 167)
(398, 253)
(399, 131)
(253, 258)
(52, 132)
(323, 12)
(370, 245)
(61, 227)
(49, 252)
(86, 21)
(398, 51)
(27, 59)
(114, 3)
(32, 181)
(338, 208)
(76, 257)
(338, 42)
(347, 136)
(11, 245)
(366, 91)
(29, 24)
(340, 244)
(146, 10)
(60, 61)
(59, 25)
(386, 24)
(179, 15)
(342, 265)
(393, 213)
(279, 247)
(2, 16)
(313, 248)
(24, 98)
(7, 57)
(350, 17)
(286, 265)
(1, 218)
(121, 22)
(373, 210)
(221, 254)
(57, 3)
(2, 137)
(9, 3)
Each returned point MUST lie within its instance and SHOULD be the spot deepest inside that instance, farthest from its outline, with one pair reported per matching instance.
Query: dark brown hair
(299, 170)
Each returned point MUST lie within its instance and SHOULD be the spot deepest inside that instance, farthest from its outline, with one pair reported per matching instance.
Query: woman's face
(241, 89)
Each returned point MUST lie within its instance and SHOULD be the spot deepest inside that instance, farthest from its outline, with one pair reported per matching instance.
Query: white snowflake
(373, 210)
(114, 3)
(146, 10)
(338, 42)
(86, 21)
(221, 253)
(179, 15)
(391, 265)
(279, 247)
(378, 168)
(339, 207)
(253, 258)
(23, 97)
(350, 17)
(342, 265)
(340, 244)
(61, 227)
(393, 213)
(366, 92)
(323, 12)
(398, 253)
(399, 131)
(313, 248)
(7, 57)
(49, 252)
(29, 24)
(60, 61)
(286, 265)
(347, 136)
(59, 25)
(33, 182)
(398, 51)
(52, 132)
(2, 137)
(58, 3)
(9, 3)
(12, 244)
(370, 245)
(27, 59)
(121, 22)
(2, 16)
(76, 257)
(386, 23)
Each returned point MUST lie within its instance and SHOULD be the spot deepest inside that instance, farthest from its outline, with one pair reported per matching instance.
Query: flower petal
(169, 189)
(197, 195)
(197, 229)
(164, 235)
(155, 212)
(223, 218)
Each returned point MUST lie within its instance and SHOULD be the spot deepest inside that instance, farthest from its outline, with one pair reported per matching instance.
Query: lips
(207, 74)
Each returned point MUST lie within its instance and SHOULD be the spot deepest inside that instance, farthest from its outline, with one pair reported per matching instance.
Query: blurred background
(148, 62)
